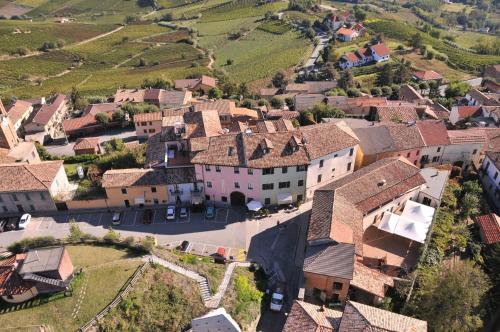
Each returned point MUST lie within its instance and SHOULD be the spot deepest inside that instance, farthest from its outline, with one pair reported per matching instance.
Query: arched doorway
(237, 198)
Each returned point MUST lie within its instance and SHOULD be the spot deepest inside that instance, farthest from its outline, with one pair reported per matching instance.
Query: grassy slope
(161, 301)
(261, 54)
(102, 286)
(459, 58)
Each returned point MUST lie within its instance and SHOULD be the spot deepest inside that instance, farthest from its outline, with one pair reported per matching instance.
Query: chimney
(382, 183)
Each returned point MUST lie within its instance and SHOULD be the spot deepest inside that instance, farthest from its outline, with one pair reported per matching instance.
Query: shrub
(129, 241)
(189, 259)
(31, 243)
(75, 233)
(148, 243)
(277, 102)
(111, 236)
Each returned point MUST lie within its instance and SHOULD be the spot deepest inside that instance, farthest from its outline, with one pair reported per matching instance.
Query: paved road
(323, 41)
(127, 134)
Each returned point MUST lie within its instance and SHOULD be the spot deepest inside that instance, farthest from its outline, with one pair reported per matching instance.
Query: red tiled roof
(466, 111)
(433, 132)
(17, 110)
(345, 32)
(144, 117)
(489, 225)
(351, 56)
(46, 112)
(79, 123)
(427, 75)
(371, 280)
(86, 143)
(380, 49)
(467, 136)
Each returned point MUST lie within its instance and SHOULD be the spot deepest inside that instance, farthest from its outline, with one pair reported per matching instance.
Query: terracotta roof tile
(403, 113)
(331, 259)
(309, 317)
(371, 280)
(147, 177)
(87, 120)
(362, 317)
(345, 32)
(325, 138)
(380, 49)
(47, 111)
(467, 111)
(145, 117)
(489, 225)
(17, 110)
(433, 132)
(28, 177)
(102, 108)
(427, 75)
(467, 136)
(86, 143)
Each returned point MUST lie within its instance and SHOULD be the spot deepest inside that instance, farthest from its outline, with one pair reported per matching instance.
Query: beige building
(19, 112)
(47, 121)
(32, 187)
(141, 187)
(148, 124)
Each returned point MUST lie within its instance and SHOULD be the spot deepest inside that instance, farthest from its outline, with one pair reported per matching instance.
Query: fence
(137, 274)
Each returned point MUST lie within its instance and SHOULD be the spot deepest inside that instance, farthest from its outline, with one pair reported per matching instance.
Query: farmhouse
(89, 145)
(427, 75)
(346, 34)
(203, 83)
(374, 53)
(159, 97)
(18, 113)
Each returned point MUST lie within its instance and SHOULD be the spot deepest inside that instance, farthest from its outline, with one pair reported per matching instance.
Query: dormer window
(266, 145)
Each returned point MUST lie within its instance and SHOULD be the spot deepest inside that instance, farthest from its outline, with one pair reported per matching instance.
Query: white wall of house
(60, 185)
(27, 201)
(394, 205)
(454, 116)
(434, 155)
(182, 190)
(334, 165)
(467, 153)
(490, 178)
(292, 180)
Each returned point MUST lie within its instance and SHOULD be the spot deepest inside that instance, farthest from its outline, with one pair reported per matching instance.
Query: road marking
(227, 214)
(135, 217)
(154, 215)
(100, 218)
(203, 250)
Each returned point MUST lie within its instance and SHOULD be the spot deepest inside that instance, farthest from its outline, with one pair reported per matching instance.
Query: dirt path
(97, 37)
(212, 60)
(128, 60)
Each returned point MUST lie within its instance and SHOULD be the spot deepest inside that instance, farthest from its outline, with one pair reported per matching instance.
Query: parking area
(204, 249)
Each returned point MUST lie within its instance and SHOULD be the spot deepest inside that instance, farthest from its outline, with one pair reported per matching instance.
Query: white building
(490, 179)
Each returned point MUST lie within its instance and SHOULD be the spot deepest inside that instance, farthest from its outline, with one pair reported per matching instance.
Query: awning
(285, 198)
(254, 205)
(139, 200)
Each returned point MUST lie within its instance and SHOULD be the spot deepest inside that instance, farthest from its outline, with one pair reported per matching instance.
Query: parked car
(210, 212)
(147, 217)
(184, 246)
(220, 255)
(170, 212)
(117, 218)
(24, 221)
(183, 213)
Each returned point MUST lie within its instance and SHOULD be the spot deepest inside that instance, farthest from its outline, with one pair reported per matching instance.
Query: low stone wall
(87, 204)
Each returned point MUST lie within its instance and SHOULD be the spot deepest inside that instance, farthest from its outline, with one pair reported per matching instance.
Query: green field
(468, 39)
(457, 58)
(101, 286)
(239, 9)
(261, 54)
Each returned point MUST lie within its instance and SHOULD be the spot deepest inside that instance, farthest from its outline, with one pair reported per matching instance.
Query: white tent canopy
(254, 205)
(413, 223)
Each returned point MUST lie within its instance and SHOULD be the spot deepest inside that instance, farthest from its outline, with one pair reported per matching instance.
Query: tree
(118, 116)
(325, 54)
(215, 93)
(434, 89)
(416, 41)
(353, 92)
(386, 91)
(376, 91)
(75, 233)
(157, 83)
(289, 102)
(76, 100)
(229, 89)
(115, 144)
(277, 102)
(472, 187)
(322, 110)
(451, 301)
(359, 14)
(346, 79)
(279, 80)
(386, 75)
(330, 72)
(469, 205)
(402, 71)
(102, 118)
(456, 89)
(167, 17)
(229, 62)
(111, 236)
(243, 89)
(142, 62)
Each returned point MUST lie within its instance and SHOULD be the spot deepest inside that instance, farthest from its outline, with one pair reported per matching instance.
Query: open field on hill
(468, 39)
(260, 54)
(457, 58)
(239, 9)
(32, 35)
(101, 285)
(103, 64)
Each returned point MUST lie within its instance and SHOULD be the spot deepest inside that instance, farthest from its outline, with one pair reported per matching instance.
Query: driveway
(127, 134)
(323, 41)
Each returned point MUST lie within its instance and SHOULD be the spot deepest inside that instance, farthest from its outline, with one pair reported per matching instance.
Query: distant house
(39, 271)
(159, 97)
(215, 320)
(46, 122)
(483, 116)
(427, 75)
(147, 124)
(346, 34)
(306, 316)
(489, 228)
(492, 78)
(375, 53)
(89, 145)
(436, 181)
(477, 98)
(87, 124)
(203, 83)
(268, 93)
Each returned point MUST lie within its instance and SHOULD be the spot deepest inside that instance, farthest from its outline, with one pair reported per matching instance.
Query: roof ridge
(27, 167)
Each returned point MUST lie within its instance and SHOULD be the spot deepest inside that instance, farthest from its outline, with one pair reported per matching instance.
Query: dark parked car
(11, 224)
(184, 246)
(3, 225)
(147, 217)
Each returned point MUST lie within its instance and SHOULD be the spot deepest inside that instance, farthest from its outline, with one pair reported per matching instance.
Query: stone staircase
(206, 295)
(49, 281)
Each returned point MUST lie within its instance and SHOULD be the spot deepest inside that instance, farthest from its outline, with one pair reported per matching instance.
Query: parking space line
(154, 215)
(135, 217)
(100, 218)
(227, 214)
